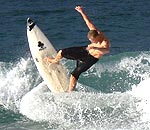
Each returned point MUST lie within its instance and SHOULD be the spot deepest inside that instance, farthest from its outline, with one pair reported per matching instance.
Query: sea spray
(16, 80)
(141, 91)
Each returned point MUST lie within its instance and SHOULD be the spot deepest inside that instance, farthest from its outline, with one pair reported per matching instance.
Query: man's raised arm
(90, 25)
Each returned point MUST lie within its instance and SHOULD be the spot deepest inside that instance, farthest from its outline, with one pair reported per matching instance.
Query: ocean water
(112, 95)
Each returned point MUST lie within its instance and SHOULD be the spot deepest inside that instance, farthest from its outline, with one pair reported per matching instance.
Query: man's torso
(98, 53)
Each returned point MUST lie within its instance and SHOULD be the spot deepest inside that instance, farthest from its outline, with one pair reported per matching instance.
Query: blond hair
(92, 34)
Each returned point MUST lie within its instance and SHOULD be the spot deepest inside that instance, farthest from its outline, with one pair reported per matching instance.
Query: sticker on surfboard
(41, 46)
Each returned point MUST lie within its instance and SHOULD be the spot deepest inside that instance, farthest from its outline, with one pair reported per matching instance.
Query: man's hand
(79, 9)
(89, 47)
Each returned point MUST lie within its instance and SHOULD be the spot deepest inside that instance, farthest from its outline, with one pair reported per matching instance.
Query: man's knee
(75, 74)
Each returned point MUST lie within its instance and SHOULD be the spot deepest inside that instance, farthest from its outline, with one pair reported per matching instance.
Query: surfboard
(54, 75)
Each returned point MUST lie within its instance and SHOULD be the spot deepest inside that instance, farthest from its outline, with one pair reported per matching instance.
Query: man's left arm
(104, 47)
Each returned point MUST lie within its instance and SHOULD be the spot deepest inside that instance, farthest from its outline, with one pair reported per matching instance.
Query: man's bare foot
(51, 60)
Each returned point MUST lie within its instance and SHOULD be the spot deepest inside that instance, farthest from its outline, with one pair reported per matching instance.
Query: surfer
(85, 56)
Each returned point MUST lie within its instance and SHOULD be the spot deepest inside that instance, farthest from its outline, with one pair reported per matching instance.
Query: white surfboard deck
(54, 75)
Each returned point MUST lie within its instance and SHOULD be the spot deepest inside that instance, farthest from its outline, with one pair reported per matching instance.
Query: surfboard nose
(29, 20)
(30, 24)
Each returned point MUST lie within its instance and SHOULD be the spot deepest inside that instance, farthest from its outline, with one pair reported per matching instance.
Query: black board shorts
(83, 58)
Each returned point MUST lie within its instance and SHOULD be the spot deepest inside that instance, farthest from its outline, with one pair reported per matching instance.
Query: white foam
(90, 109)
(86, 109)
(135, 66)
(142, 91)
(81, 109)
(16, 80)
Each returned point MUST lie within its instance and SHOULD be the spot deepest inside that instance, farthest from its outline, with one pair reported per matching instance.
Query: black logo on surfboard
(31, 24)
(41, 46)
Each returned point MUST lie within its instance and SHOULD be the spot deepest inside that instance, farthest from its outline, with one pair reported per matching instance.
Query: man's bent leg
(73, 82)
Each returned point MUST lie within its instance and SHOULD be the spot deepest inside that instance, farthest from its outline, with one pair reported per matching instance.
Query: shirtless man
(85, 56)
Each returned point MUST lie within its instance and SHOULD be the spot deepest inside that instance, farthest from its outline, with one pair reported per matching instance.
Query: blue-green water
(112, 95)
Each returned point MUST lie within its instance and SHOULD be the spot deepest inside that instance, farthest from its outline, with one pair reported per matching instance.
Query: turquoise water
(112, 95)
